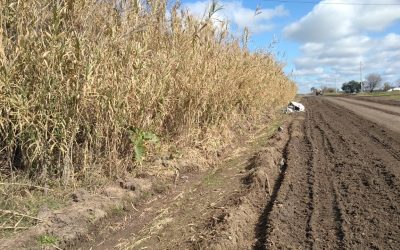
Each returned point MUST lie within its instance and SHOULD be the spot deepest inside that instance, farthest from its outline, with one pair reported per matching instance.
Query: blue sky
(322, 43)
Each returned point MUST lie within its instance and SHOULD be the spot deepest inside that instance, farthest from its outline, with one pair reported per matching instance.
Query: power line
(335, 3)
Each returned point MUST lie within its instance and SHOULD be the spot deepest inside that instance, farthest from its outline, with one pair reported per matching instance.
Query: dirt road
(383, 114)
(329, 180)
(342, 186)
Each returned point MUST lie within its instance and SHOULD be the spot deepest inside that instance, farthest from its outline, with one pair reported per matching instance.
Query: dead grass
(77, 77)
(21, 201)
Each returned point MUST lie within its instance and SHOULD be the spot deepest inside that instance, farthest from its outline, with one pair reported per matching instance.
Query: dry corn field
(78, 78)
(91, 92)
(134, 125)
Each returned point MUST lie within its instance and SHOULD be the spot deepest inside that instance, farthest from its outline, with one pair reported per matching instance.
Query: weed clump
(76, 76)
(48, 240)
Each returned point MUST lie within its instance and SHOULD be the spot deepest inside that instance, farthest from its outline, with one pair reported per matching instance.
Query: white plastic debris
(295, 107)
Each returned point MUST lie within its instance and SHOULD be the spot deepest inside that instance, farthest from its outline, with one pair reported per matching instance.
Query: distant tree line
(351, 87)
(373, 82)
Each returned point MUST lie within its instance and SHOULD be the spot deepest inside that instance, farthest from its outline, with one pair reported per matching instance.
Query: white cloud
(327, 21)
(238, 15)
(327, 63)
(332, 65)
(391, 42)
(336, 38)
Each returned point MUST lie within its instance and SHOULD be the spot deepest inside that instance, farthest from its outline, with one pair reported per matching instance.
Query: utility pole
(335, 81)
(361, 83)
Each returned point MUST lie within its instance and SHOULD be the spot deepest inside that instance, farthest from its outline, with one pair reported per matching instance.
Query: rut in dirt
(341, 187)
(262, 225)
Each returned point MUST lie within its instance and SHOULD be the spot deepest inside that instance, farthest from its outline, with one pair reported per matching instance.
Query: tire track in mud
(389, 177)
(331, 215)
(366, 172)
(310, 181)
(383, 140)
(338, 213)
(336, 205)
(341, 183)
(262, 226)
(295, 197)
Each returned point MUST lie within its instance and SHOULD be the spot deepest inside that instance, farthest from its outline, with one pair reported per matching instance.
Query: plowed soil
(328, 180)
(342, 185)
